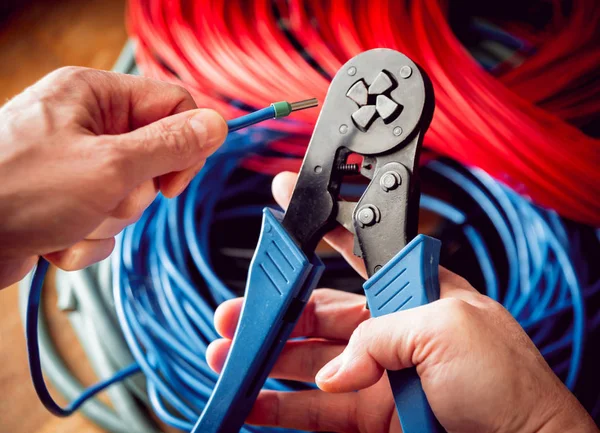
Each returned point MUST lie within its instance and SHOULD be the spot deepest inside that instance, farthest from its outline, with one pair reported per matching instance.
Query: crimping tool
(379, 106)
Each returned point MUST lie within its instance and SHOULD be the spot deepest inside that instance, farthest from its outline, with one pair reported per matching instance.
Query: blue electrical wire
(251, 119)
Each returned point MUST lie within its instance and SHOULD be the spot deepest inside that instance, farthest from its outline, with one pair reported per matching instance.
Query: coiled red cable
(520, 126)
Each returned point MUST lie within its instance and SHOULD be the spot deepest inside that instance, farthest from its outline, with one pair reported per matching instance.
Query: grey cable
(90, 321)
(60, 376)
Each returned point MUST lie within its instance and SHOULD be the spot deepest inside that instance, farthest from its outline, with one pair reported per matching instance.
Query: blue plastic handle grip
(280, 281)
(409, 280)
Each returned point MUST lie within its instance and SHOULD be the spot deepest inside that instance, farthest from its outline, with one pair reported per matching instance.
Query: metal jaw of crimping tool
(379, 106)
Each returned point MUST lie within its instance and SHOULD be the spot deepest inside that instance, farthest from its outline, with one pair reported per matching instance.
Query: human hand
(83, 153)
(480, 371)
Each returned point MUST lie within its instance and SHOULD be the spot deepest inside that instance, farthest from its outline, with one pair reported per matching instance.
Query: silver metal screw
(318, 169)
(343, 129)
(366, 216)
(390, 180)
(397, 131)
(351, 70)
(405, 71)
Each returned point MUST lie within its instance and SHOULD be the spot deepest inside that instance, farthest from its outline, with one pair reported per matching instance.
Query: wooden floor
(42, 37)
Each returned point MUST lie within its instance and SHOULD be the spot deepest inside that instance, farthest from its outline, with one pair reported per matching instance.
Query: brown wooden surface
(45, 36)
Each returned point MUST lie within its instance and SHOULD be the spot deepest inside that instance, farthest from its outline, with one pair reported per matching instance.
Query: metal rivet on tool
(405, 71)
(397, 131)
(318, 169)
(268, 228)
(390, 180)
(343, 129)
(352, 70)
(377, 268)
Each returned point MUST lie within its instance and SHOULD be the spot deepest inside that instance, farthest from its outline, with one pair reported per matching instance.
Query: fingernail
(329, 370)
(210, 125)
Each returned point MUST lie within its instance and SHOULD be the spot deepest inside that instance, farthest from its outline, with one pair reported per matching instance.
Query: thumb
(174, 143)
(389, 342)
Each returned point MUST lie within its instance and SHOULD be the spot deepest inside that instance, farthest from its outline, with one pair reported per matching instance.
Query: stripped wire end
(303, 105)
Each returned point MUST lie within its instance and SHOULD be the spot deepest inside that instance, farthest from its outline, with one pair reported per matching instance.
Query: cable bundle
(519, 126)
(166, 284)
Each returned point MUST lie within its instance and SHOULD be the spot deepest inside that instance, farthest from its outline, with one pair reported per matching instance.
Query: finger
(393, 342)
(127, 212)
(299, 360)
(13, 270)
(173, 184)
(306, 410)
(126, 102)
(82, 254)
(454, 286)
(172, 144)
(330, 314)
(339, 238)
(343, 242)
(151, 100)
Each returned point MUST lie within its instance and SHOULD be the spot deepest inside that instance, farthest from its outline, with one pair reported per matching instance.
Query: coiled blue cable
(166, 312)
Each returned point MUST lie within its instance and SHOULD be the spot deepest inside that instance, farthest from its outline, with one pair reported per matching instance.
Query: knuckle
(182, 93)
(133, 206)
(68, 86)
(116, 166)
(487, 302)
(309, 362)
(362, 330)
(310, 319)
(67, 261)
(127, 210)
(68, 74)
(177, 142)
(314, 413)
(456, 314)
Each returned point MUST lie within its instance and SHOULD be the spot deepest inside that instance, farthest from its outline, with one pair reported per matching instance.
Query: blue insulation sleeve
(251, 119)
(409, 280)
(280, 281)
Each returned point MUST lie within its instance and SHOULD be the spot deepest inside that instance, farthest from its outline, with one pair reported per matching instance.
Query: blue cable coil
(164, 315)
(166, 311)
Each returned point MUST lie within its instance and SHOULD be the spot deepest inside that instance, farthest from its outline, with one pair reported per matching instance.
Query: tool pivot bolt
(390, 181)
(367, 215)
(352, 71)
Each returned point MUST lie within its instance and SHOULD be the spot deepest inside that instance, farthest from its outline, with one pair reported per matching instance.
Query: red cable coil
(520, 127)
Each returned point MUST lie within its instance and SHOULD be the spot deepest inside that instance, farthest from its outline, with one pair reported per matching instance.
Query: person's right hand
(479, 369)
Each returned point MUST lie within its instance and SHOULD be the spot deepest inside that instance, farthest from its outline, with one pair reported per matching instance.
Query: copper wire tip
(303, 105)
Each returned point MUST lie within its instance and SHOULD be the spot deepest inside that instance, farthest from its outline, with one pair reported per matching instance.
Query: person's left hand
(83, 153)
